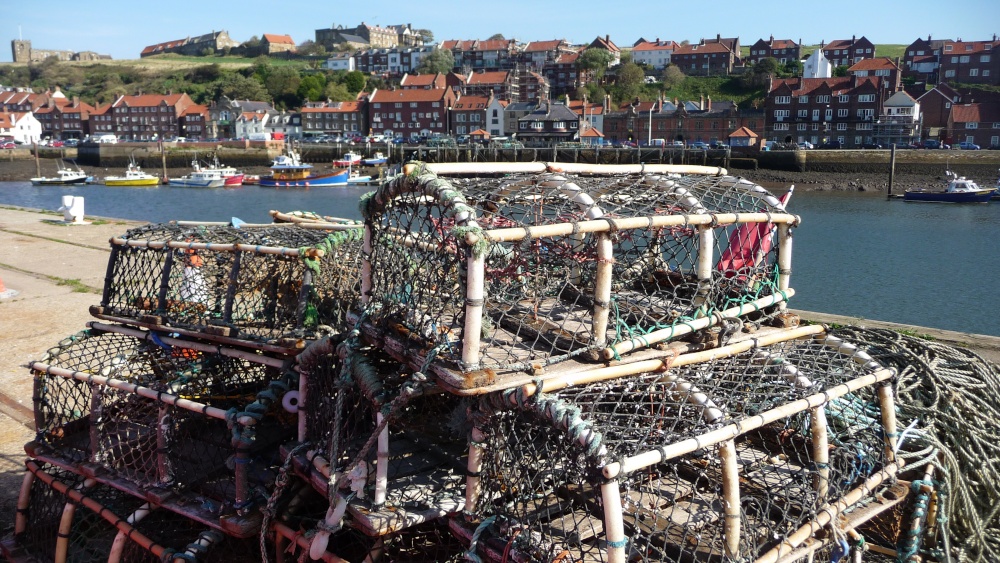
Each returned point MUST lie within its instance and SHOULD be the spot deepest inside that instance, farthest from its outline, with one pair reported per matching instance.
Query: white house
(494, 117)
(249, 123)
(900, 121)
(817, 66)
(20, 126)
(288, 123)
(340, 61)
(654, 53)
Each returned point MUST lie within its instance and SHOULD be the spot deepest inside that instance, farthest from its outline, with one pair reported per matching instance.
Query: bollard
(72, 208)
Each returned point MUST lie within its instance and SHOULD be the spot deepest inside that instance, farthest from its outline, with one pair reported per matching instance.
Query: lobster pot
(40, 508)
(269, 284)
(730, 458)
(94, 522)
(151, 415)
(527, 270)
(401, 473)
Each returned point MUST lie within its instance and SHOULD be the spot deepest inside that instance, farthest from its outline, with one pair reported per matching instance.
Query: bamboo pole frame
(602, 289)
(382, 461)
(659, 364)
(66, 524)
(614, 524)
(448, 168)
(694, 325)
(704, 267)
(784, 259)
(146, 336)
(168, 398)
(475, 295)
(121, 539)
(180, 245)
(303, 542)
(474, 466)
(732, 519)
(730, 431)
(820, 451)
(828, 513)
(513, 234)
(23, 502)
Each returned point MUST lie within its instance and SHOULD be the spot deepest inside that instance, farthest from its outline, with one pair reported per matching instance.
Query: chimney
(708, 103)
(718, 37)
(607, 38)
(76, 101)
(701, 102)
(772, 39)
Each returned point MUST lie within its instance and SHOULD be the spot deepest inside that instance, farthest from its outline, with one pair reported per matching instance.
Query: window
(986, 72)
(780, 113)
(963, 59)
(984, 58)
(802, 126)
(781, 127)
(995, 141)
(862, 98)
(822, 99)
(843, 98)
(972, 125)
(864, 126)
(842, 112)
(996, 125)
(537, 125)
(413, 104)
(782, 99)
(865, 113)
(954, 60)
(399, 104)
(949, 74)
(803, 99)
(829, 114)
(841, 127)
(803, 113)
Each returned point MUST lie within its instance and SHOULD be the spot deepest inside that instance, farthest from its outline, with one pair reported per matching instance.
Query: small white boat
(959, 190)
(199, 178)
(355, 177)
(64, 177)
(350, 159)
(374, 160)
(134, 176)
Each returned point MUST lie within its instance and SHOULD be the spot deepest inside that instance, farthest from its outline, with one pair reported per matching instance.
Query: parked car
(72, 142)
(698, 145)
(806, 145)
(934, 144)
(967, 146)
(871, 146)
(8, 145)
(830, 145)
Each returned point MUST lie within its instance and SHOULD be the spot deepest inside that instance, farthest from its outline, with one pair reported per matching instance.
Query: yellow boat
(134, 176)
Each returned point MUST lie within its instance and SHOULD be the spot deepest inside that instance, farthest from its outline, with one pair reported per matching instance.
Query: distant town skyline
(121, 29)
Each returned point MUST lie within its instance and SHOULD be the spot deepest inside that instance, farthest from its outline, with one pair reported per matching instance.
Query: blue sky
(122, 28)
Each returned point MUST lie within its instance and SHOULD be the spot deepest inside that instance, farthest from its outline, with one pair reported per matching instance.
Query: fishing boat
(375, 160)
(199, 178)
(355, 177)
(134, 176)
(64, 177)
(959, 190)
(349, 159)
(288, 171)
(230, 175)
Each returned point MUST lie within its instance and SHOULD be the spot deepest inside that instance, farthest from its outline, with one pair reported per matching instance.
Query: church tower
(21, 50)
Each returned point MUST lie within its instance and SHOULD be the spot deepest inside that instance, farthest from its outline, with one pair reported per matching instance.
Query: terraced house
(971, 62)
(65, 121)
(334, 118)
(846, 52)
(781, 50)
(147, 117)
(411, 113)
(819, 110)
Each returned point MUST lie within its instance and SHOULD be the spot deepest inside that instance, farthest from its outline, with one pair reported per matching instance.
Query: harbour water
(856, 254)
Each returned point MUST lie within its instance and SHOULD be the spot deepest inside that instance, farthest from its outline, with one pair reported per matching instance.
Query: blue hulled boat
(287, 171)
(960, 190)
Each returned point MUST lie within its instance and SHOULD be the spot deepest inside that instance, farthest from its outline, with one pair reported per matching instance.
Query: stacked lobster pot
(172, 406)
(525, 362)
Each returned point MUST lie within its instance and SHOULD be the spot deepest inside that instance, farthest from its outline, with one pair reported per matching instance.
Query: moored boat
(349, 159)
(356, 177)
(134, 176)
(199, 178)
(63, 177)
(374, 160)
(288, 171)
(959, 190)
(231, 176)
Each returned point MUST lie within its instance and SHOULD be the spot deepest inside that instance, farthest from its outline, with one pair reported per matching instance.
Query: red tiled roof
(480, 133)
(657, 46)
(149, 100)
(389, 96)
(744, 132)
(471, 102)
(278, 39)
(535, 46)
(606, 44)
(419, 80)
(195, 109)
(835, 86)
(494, 45)
(977, 112)
(6, 120)
(340, 107)
(567, 58)
(838, 44)
(967, 47)
(698, 49)
(491, 77)
(591, 132)
(878, 63)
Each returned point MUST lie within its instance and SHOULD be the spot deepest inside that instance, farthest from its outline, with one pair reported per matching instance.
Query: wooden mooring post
(892, 170)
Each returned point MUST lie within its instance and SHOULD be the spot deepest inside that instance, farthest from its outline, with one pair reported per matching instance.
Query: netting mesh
(543, 457)
(148, 442)
(543, 299)
(238, 292)
(426, 445)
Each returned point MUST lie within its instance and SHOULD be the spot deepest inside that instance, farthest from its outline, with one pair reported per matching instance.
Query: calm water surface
(856, 254)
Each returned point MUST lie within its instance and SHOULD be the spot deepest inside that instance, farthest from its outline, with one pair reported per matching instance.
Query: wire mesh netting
(424, 447)
(571, 264)
(125, 422)
(539, 490)
(261, 284)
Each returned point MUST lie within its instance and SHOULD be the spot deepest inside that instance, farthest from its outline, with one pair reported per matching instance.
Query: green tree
(425, 34)
(495, 37)
(629, 81)
(438, 60)
(840, 71)
(338, 93)
(354, 81)
(596, 92)
(252, 43)
(235, 86)
(310, 48)
(793, 68)
(312, 87)
(283, 84)
(672, 77)
(596, 60)
(761, 72)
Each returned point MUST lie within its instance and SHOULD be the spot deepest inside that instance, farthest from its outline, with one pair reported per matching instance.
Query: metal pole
(892, 169)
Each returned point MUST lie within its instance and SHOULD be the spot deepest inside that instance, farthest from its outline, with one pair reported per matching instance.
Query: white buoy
(72, 208)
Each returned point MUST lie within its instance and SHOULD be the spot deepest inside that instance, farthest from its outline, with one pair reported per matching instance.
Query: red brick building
(819, 110)
(334, 118)
(781, 50)
(704, 59)
(147, 117)
(411, 113)
(846, 52)
(65, 121)
(970, 62)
